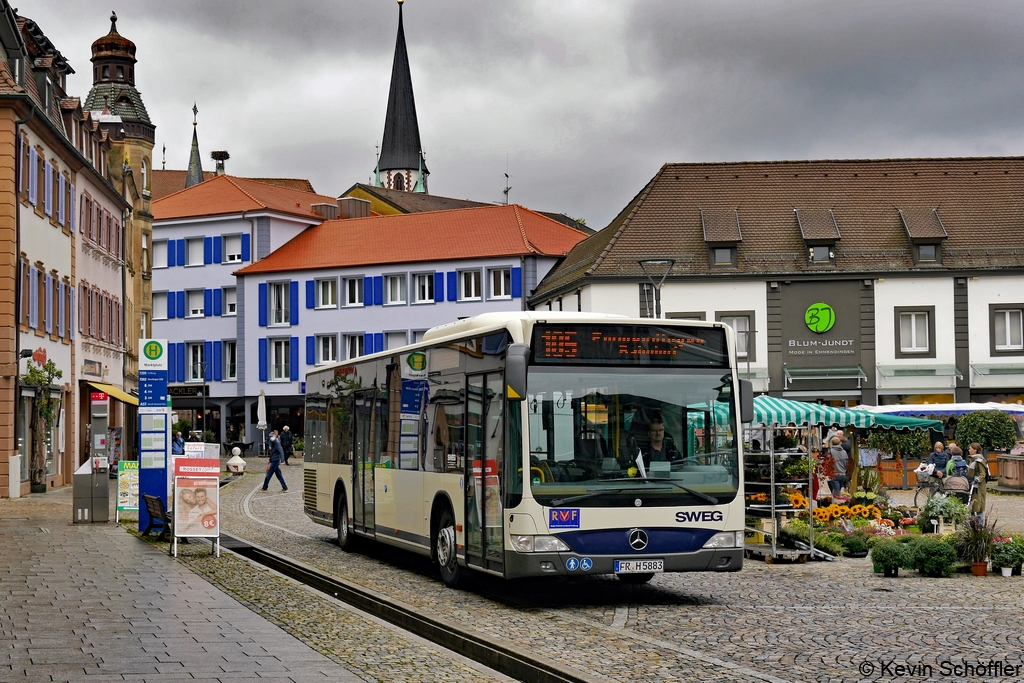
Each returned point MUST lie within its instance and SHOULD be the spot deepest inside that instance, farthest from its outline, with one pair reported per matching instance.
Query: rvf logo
(564, 518)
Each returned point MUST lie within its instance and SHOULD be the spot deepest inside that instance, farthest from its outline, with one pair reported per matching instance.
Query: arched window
(145, 175)
(399, 182)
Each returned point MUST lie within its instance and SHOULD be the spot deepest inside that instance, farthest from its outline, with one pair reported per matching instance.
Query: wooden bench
(157, 515)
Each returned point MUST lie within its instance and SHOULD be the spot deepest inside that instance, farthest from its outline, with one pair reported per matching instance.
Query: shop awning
(827, 373)
(773, 410)
(1004, 369)
(920, 371)
(120, 394)
(944, 409)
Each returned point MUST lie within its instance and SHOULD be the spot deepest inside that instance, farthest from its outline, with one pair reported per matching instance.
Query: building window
(821, 254)
(230, 360)
(423, 288)
(915, 330)
(326, 349)
(742, 322)
(232, 248)
(399, 182)
(160, 254)
(279, 300)
(469, 285)
(194, 251)
(395, 340)
(928, 253)
(723, 257)
(195, 303)
(327, 293)
(353, 346)
(159, 306)
(501, 283)
(353, 291)
(280, 359)
(230, 301)
(1007, 329)
(196, 363)
(394, 289)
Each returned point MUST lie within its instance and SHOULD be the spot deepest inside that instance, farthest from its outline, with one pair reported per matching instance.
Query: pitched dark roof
(414, 202)
(401, 147)
(881, 206)
(122, 99)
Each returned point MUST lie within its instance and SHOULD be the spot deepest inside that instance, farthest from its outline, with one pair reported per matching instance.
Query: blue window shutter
(180, 352)
(71, 311)
(218, 302)
(180, 304)
(218, 249)
(60, 308)
(367, 343)
(71, 208)
(453, 286)
(378, 290)
(310, 294)
(263, 359)
(310, 350)
(48, 304)
(180, 246)
(263, 305)
(517, 283)
(367, 291)
(438, 287)
(293, 300)
(172, 364)
(293, 348)
(207, 302)
(378, 342)
(218, 361)
(245, 247)
(172, 252)
(207, 250)
(170, 308)
(208, 356)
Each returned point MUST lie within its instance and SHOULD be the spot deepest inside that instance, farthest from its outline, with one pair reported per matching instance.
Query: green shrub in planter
(1007, 553)
(855, 544)
(990, 428)
(890, 555)
(973, 543)
(831, 542)
(949, 507)
(932, 557)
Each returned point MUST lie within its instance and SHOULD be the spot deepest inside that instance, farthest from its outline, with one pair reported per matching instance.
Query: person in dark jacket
(939, 457)
(274, 467)
(286, 443)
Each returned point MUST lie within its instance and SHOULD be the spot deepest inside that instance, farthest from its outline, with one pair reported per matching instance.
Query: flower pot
(891, 572)
(1016, 570)
(979, 568)
(1007, 571)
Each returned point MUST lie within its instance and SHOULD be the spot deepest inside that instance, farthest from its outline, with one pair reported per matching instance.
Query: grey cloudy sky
(585, 98)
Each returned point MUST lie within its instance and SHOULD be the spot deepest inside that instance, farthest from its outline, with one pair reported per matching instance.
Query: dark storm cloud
(585, 100)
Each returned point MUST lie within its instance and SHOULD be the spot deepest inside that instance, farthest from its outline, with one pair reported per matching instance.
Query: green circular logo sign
(820, 317)
(417, 361)
(153, 350)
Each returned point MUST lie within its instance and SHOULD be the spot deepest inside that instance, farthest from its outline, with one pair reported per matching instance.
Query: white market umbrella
(261, 417)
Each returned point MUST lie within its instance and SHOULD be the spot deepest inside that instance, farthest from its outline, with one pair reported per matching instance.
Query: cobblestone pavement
(782, 622)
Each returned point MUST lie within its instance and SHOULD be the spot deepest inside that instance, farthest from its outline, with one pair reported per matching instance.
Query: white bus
(537, 443)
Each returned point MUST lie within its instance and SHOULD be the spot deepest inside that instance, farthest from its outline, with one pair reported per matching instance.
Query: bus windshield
(621, 436)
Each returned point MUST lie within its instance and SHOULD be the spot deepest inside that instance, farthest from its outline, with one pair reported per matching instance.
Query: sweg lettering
(820, 342)
(699, 516)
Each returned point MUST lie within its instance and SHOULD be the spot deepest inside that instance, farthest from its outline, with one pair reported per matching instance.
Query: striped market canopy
(772, 410)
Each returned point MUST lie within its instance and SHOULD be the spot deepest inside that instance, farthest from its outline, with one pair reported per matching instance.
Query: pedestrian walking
(274, 466)
(286, 444)
(178, 445)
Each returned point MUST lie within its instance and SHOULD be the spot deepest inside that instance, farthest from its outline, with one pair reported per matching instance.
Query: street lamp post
(655, 266)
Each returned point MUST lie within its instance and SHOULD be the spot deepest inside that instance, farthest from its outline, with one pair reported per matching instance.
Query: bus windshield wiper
(582, 496)
(703, 496)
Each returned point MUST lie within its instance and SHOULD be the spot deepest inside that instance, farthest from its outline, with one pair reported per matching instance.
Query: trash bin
(91, 492)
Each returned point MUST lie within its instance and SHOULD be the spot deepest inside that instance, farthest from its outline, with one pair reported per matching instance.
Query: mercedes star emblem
(637, 539)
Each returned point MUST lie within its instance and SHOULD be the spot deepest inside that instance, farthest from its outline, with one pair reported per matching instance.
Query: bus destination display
(629, 345)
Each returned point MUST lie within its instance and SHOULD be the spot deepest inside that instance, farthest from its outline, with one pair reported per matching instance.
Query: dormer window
(722, 234)
(821, 255)
(926, 232)
(723, 257)
(820, 231)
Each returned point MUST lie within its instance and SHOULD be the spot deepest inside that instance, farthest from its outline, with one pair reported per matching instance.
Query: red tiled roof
(483, 232)
(165, 182)
(228, 195)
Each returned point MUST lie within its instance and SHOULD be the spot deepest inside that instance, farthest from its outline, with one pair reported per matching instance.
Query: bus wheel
(344, 533)
(635, 579)
(445, 549)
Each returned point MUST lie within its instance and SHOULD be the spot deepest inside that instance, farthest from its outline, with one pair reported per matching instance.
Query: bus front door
(485, 434)
(363, 461)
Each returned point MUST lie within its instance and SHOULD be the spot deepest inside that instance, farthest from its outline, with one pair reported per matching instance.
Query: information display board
(127, 486)
(154, 423)
(611, 344)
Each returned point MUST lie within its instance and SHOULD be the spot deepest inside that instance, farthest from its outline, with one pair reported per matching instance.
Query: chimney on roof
(328, 212)
(353, 207)
(220, 157)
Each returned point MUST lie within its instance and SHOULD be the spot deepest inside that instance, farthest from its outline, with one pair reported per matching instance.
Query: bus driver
(658, 448)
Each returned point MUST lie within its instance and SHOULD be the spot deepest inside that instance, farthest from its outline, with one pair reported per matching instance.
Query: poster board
(196, 498)
(127, 486)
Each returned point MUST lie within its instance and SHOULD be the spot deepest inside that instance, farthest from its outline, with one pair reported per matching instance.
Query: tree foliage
(990, 428)
(907, 445)
(45, 408)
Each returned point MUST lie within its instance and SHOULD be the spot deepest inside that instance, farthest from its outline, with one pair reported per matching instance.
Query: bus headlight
(538, 544)
(726, 539)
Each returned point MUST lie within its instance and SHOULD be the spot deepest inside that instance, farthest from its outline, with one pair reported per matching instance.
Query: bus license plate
(639, 566)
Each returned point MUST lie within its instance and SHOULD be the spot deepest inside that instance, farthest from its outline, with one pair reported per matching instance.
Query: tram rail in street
(505, 660)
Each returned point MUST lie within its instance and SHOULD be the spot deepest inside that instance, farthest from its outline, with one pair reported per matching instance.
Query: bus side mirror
(515, 371)
(746, 401)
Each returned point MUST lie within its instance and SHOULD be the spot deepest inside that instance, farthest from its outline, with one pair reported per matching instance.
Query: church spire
(400, 149)
(194, 176)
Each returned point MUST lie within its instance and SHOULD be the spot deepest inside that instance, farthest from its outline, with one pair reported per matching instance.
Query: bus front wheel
(341, 516)
(445, 550)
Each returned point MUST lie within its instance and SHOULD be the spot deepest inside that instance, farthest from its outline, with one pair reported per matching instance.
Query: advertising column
(154, 424)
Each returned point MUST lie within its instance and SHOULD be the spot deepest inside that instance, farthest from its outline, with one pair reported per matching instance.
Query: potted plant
(973, 544)
(1007, 554)
(856, 546)
(890, 556)
(931, 556)
(795, 469)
